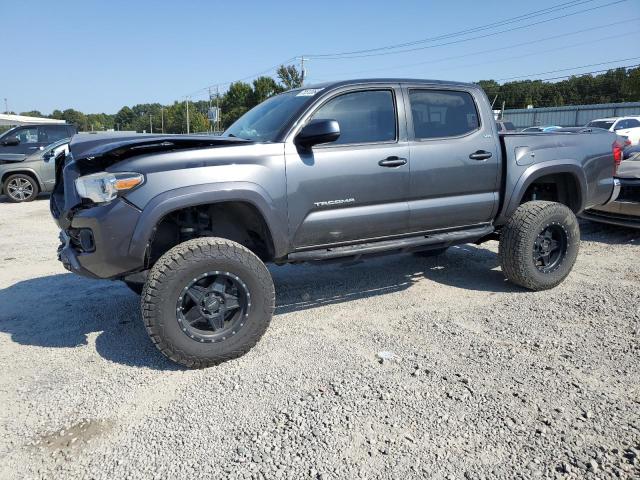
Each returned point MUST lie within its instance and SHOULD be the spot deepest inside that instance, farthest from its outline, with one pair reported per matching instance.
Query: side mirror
(11, 142)
(49, 155)
(318, 131)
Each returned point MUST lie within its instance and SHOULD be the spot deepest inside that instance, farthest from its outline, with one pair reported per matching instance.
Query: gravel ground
(480, 380)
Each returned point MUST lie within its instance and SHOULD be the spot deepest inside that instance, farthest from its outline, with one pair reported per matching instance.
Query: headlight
(103, 187)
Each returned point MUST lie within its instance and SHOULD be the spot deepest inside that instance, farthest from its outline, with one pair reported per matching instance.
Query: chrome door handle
(392, 162)
(480, 155)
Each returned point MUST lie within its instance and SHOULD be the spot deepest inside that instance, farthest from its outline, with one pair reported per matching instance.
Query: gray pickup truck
(342, 169)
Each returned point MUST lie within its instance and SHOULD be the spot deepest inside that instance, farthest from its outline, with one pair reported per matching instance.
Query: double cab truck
(337, 170)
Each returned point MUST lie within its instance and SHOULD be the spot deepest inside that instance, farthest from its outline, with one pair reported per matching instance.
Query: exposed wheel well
(19, 172)
(237, 221)
(558, 187)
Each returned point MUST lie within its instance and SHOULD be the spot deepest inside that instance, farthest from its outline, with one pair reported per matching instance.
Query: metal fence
(571, 116)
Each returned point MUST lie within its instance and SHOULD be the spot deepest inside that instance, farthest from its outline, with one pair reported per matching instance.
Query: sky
(97, 56)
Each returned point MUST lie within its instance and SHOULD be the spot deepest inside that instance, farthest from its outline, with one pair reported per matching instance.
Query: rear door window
(443, 113)
(53, 133)
(367, 116)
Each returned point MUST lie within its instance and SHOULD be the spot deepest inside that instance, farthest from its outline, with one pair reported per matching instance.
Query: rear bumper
(623, 209)
(104, 250)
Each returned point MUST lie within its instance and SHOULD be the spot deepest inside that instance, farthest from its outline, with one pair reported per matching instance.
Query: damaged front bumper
(96, 242)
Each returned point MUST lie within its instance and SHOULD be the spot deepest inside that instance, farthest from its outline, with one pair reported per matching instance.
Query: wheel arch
(570, 171)
(24, 171)
(245, 193)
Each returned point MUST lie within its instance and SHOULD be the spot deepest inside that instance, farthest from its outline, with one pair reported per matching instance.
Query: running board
(437, 240)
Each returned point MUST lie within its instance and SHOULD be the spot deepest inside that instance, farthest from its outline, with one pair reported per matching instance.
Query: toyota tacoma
(337, 170)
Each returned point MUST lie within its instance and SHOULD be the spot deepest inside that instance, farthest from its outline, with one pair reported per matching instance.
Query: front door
(355, 187)
(28, 142)
(455, 162)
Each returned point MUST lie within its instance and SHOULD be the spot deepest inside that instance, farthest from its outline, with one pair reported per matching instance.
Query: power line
(570, 68)
(248, 77)
(518, 18)
(588, 73)
(342, 56)
(515, 45)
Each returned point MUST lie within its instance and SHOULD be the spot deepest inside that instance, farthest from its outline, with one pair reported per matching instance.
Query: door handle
(392, 162)
(480, 155)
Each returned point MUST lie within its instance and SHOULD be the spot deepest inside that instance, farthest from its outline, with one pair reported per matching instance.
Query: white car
(626, 126)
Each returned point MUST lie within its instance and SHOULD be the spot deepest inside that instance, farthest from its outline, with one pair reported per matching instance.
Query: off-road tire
(517, 239)
(171, 274)
(135, 287)
(431, 253)
(24, 178)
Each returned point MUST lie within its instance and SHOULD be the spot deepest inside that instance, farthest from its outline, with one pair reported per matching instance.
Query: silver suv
(23, 178)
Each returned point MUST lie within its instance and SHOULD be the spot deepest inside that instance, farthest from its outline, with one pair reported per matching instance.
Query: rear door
(455, 159)
(354, 188)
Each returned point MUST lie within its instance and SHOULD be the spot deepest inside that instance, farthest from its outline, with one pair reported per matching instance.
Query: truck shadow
(66, 311)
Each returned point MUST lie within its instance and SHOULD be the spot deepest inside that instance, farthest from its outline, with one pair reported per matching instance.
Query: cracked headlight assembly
(103, 187)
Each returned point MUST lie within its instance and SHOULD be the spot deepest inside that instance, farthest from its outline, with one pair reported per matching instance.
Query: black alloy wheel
(550, 248)
(213, 306)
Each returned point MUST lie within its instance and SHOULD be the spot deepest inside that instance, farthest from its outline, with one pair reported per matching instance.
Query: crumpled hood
(117, 147)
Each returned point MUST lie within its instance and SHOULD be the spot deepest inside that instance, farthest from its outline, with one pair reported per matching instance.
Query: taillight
(617, 155)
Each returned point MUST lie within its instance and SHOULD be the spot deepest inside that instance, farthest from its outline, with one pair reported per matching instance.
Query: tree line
(616, 85)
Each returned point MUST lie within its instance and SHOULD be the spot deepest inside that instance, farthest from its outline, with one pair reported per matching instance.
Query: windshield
(606, 124)
(263, 122)
(7, 133)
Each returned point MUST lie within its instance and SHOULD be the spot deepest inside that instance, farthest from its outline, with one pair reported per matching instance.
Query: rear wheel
(21, 188)
(207, 300)
(539, 245)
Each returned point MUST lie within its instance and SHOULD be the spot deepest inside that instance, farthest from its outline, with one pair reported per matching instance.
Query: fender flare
(209, 193)
(538, 170)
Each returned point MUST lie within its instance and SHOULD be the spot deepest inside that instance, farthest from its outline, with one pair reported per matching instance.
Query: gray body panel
(339, 195)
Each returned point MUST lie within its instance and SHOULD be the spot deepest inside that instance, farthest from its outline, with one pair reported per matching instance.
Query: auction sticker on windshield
(308, 92)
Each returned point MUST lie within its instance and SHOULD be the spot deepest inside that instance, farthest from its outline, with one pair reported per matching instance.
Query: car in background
(19, 142)
(21, 180)
(626, 126)
(550, 128)
(625, 210)
(506, 127)
(632, 153)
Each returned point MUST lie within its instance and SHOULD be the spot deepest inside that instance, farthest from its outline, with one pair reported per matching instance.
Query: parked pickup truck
(342, 169)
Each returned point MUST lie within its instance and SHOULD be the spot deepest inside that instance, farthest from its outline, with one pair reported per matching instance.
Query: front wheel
(206, 301)
(539, 245)
(21, 188)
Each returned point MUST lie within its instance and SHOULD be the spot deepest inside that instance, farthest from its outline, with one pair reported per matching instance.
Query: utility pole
(162, 118)
(6, 106)
(210, 126)
(150, 124)
(302, 72)
(187, 98)
(218, 119)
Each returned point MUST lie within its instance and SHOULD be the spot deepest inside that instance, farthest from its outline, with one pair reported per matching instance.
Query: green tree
(125, 119)
(76, 118)
(236, 101)
(263, 88)
(289, 76)
(32, 113)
